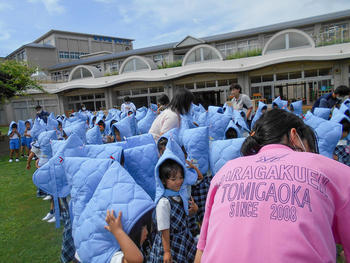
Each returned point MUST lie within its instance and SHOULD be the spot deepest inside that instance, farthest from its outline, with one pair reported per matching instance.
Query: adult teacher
(170, 118)
(241, 101)
(278, 203)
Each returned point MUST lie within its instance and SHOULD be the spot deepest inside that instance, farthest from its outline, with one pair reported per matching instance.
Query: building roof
(35, 45)
(52, 31)
(219, 37)
(334, 52)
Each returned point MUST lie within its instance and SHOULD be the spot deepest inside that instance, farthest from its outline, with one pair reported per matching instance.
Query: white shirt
(14, 136)
(166, 121)
(163, 213)
(126, 107)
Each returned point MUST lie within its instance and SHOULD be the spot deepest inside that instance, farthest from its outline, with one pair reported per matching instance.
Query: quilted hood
(139, 140)
(103, 151)
(140, 162)
(93, 136)
(217, 123)
(44, 142)
(90, 120)
(298, 107)
(322, 113)
(345, 108)
(281, 104)
(231, 124)
(172, 151)
(10, 127)
(172, 134)
(52, 123)
(78, 128)
(73, 146)
(222, 151)
(124, 127)
(38, 127)
(338, 116)
(240, 122)
(116, 191)
(145, 123)
(258, 113)
(196, 142)
(328, 133)
(141, 113)
(21, 127)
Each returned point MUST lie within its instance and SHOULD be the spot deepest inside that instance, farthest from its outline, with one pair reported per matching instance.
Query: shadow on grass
(23, 236)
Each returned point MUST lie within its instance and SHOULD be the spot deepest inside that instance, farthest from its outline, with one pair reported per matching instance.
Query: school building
(300, 59)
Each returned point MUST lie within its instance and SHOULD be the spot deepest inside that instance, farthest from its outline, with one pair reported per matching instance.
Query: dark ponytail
(272, 127)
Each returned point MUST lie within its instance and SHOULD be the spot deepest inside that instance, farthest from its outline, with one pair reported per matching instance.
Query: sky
(148, 22)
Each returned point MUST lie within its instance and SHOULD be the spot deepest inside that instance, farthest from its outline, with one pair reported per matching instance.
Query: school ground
(24, 237)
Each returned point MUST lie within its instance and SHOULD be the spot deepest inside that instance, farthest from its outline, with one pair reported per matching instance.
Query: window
(227, 48)
(310, 73)
(137, 63)
(202, 53)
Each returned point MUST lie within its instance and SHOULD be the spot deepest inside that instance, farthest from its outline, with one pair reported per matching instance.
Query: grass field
(23, 236)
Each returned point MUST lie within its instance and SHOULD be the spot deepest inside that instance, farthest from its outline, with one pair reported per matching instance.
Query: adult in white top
(170, 118)
(128, 105)
(241, 101)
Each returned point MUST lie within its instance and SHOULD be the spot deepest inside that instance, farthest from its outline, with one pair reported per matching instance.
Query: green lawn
(23, 236)
(4, 130)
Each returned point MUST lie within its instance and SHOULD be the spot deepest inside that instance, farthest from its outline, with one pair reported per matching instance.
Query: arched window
(201, 53)
(137, 63)
(288, 39)
(82, 71)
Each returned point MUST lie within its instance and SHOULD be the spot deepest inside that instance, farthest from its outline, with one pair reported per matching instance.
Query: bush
(244, 54)
(177, 63)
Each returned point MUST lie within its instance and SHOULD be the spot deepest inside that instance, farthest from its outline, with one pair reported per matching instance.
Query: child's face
(101, 128)
(144, 234)
(28, 125)
(345, 134)
(161, 150)
(14, 129)
(174, 182)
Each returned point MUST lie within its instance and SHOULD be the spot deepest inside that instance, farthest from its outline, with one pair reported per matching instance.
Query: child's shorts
(23, 141)
(28, 142)
(14, 144)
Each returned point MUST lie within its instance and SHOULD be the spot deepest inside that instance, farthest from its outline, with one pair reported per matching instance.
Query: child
(173, 241)
(130, 245)
(342, 150)
(231, 133)
(102, 126)
(27, 137)
(14, 141)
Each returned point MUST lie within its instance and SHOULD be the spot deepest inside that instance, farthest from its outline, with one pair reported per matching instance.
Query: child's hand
(193, 207)
(167, 257)
(114, 224)
(28, 166)
(190, 164)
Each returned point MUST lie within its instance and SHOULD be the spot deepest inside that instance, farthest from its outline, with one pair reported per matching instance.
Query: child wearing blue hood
(173, 241)
(15, 139)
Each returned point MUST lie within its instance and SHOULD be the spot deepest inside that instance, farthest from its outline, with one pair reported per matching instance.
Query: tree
(15, 79)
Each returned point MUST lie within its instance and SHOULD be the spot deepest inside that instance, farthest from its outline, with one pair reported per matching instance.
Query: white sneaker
(10, 161)
(48, 216)
(17, 160)
(52, 220)
(48, 197)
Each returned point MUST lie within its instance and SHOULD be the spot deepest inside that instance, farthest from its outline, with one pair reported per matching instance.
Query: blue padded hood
(52, 123)
(196, 142)
(338, 116)
(139, 140)
(145, 123)
(258, 113)
(78, 128)
(202, 119)
(125, 128)
(38, 127)
(153, 107)
(116, 191)
(104, 151)
(234, 126)
(72, 147)
(169, 154)
(228, 111)
(298, 107)
(93, 136)
(83, 175)
(44, 142)
(222, 151)
(282, 104)
(172, 134)
(344, 108)
(323, 113)
(328, 133)
(140, 162)
(240, 122)
(217, 123)
(10, 129)
(21, 127)
(90, 121)
(141, 113)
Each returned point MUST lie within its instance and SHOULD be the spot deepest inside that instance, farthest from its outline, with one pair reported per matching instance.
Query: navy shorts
(23, 141)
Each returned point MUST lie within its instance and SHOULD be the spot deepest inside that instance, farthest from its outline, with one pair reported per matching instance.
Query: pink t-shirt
(277, 206)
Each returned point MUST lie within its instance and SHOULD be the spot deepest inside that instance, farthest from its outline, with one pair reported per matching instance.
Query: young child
(130, 245)
(342, 150)
(173, 241)
(15, 138)
(27, 137)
